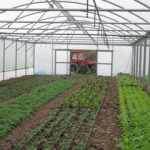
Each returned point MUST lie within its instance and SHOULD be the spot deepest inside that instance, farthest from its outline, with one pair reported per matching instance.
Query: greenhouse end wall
(45, 57)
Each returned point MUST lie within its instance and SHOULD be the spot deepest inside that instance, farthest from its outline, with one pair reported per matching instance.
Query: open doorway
(83, 61)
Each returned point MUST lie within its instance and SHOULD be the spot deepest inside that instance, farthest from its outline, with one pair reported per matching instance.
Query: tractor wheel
(93, 69)
(83, 68)
(74, 67)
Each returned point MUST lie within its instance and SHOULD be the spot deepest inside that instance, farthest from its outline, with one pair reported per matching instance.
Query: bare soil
(35, 118)
(105, 134)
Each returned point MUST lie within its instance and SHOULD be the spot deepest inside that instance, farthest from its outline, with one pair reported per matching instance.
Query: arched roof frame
(105, 29)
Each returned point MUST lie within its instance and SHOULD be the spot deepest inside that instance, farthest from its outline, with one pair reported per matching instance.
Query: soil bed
(35, 118)
(105, 134)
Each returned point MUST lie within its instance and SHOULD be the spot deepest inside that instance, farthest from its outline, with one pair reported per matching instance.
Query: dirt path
(30, 123)
(105, 134)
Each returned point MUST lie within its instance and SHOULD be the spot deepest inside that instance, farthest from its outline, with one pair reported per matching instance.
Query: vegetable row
(68, 127)
(12, 112)
(13, 90)
(135, 115)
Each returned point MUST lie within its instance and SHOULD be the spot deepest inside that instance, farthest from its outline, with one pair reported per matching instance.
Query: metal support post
(144, 62)
(16, 60)
(134, 54)
(135, 62)
(4, 60)
(97, 61)
(140, 60)
(55, 61)
(132, 72)
(67, 60)
(52, 58)
(25, 58)
(149, 71)
(137, 59)
(112, 56)
(34, 59)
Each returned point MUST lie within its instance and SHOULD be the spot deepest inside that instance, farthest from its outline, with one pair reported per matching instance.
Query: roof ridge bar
(78, 9)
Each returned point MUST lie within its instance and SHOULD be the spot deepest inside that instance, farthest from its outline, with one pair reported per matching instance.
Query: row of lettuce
(69, 126)
(134, 114)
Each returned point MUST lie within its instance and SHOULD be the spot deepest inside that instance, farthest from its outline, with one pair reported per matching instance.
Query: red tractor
(79, 62)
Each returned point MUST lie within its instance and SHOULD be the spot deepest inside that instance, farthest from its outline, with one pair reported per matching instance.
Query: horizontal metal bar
(122, 40)
(105, 50)
(97, 39)
(77, 43)
(88, 40)
(74, 49)
(67, 50)
(71, 29)
(57, 36)
(37, 34)
(63, 62)
(71, 9)
(76, 22)
(104, 63)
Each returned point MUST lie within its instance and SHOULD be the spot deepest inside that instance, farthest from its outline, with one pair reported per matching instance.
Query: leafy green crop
(16, 80)
(84, 96)
(135, 114)
(12, 112)
(13, 90)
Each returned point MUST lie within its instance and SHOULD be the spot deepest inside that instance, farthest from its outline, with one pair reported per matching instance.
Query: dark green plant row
(15, 80)
(135, 115)
(12, 112)
(59, 129)
(13, 90)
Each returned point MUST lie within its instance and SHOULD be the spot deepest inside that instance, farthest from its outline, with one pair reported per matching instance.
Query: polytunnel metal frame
(91, 27)
(139, 62)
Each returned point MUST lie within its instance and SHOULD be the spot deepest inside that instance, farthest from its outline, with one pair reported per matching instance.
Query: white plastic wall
(44, 59)
(62, 62)
(14, 61)
(122, 57)
(30, 53)
(20, 55)
(104, 57)
(104, 63)
(103, 70)
(10, 55)
(45, 62)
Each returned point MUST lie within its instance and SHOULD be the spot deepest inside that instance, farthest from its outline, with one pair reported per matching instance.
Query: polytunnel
(49, 29)
(75, 75)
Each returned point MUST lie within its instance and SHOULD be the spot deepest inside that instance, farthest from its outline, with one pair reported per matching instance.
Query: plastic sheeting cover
(20, 55)
(10, 55)
(62, 62)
